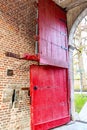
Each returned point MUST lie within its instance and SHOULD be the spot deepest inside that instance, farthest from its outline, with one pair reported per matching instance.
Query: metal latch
(64, 48)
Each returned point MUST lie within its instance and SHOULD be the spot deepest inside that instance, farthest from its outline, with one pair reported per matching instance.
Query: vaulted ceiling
(69, 4)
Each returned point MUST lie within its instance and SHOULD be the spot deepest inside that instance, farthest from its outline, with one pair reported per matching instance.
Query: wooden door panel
(52, 34)
(49, 96)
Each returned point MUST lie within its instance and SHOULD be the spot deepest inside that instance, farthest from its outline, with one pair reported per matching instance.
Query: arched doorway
(71, 41)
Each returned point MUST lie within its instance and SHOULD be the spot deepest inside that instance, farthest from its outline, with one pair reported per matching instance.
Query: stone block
(7, 95)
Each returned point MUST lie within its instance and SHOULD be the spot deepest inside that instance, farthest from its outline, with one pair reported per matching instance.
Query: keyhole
(13, 96)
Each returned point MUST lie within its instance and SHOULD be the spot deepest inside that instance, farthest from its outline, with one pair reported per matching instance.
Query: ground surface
(80, 100)
(73, 126)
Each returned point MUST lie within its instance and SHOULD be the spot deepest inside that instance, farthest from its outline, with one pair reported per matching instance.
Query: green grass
(80, 100)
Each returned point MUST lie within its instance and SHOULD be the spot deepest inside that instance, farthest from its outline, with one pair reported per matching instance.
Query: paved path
(73, 126)
(83, 113)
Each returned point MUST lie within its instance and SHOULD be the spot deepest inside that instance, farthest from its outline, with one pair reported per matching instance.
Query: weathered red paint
(49, 85)
(53, 46)
(49, 96)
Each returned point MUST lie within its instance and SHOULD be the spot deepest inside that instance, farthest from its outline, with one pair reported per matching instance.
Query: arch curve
(76, 23)
(71, 41)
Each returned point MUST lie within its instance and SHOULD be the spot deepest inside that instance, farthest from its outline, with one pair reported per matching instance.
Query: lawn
(80, 100)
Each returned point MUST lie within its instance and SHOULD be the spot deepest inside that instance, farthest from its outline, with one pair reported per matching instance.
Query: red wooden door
(53, 45)
(49, 97)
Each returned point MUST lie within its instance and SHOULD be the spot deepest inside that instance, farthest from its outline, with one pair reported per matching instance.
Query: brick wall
(73, 14)
(17, 28)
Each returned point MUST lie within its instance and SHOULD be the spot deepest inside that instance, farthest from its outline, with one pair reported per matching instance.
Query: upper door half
(53, 46)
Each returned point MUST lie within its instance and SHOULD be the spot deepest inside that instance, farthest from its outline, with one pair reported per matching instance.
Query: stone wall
(16, 35)
(74, 17)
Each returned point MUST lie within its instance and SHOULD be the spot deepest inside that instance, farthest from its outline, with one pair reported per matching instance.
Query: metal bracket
(64, 48)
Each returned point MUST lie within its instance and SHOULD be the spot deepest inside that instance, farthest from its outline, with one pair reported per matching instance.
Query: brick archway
(71, 41)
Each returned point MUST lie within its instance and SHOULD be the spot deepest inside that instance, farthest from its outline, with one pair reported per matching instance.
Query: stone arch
(71, 41)
(76, 23)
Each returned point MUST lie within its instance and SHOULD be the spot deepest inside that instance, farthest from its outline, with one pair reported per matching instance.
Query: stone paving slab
(83, 113)
(74, 126)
